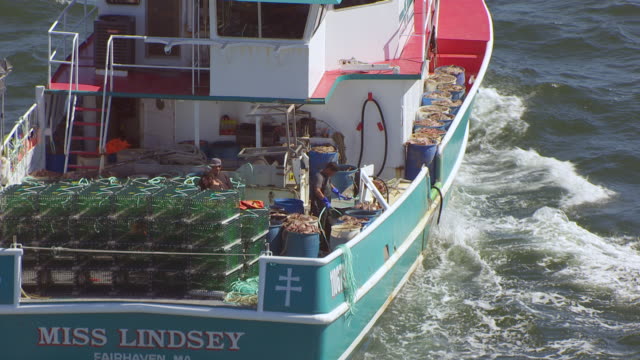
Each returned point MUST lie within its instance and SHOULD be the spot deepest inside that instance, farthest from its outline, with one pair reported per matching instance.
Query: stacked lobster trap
(130, 237)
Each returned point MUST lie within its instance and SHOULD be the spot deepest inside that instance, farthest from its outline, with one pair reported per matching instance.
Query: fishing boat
(139, 90)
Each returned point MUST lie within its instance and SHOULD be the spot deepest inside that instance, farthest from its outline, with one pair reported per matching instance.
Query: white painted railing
(63, 35)
(111, 67)
(17, 148)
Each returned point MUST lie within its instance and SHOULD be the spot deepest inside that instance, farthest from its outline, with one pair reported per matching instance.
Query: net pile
(158, 237)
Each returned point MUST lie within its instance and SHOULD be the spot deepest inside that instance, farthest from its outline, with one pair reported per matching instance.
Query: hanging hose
(441, 202)
(384, 128)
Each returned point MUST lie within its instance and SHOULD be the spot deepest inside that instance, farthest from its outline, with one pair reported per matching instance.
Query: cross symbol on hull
(288, 288)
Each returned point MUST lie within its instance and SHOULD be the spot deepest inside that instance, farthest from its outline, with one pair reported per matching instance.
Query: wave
(507, 266)
(493, 166)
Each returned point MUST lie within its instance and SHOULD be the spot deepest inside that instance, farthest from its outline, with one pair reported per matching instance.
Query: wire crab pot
(21, 200)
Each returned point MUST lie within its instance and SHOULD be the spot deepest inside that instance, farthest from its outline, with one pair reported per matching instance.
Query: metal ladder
(70, 138)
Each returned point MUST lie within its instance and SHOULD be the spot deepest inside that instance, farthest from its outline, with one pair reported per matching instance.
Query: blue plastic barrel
(454, 109)
(302, 245)
(290, 205)
(274, 238)
(318, 160)
(343, 179)
(55, 162)
(418, 155)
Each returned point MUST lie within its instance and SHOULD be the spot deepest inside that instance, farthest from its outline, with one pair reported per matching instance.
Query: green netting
(168, 215)
(255, 247)
(254, 223)
(21, 200)
(61, 199)
(172, 202)
(205, 280)
(214, 206)
(212, 235)
(220, 264)
(129, 234)
(134, 200)
(21, 227)
(168, 235)
(52, 231)
(90, 233)
(98, 198)
(252, 269)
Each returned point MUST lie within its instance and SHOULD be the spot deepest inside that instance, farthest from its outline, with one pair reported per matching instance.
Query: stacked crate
(145, 227)
(255, 226)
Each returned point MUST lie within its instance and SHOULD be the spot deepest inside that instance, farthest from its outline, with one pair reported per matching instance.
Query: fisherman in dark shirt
(215, 179)
(321, 189)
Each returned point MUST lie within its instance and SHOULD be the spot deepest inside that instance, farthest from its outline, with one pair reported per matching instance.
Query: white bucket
(342, 233)
(432, 82)
(425, 111)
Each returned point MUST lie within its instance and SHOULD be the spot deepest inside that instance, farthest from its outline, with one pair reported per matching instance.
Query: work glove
(339, 195)
(327, 203)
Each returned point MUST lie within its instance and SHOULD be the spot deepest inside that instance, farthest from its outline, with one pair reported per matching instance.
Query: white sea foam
(495, 167)
(462, 305)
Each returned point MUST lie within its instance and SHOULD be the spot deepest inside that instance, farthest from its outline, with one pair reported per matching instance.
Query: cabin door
(163, 20)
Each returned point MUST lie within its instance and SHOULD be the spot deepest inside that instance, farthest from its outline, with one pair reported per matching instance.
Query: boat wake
(508, 273)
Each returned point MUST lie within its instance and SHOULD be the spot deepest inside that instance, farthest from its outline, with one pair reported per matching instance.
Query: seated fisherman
(321, 189)
(215, 179)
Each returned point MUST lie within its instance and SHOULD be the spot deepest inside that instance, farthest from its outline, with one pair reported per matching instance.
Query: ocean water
(537, 255)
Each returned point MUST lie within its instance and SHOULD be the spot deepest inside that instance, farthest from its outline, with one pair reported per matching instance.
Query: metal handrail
(111, 65)
(24, 125)
(67, 31)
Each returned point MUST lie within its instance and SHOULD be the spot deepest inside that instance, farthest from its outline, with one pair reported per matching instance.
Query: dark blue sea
(537, 255)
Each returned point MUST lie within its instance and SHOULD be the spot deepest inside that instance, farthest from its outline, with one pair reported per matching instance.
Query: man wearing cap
(215, 179)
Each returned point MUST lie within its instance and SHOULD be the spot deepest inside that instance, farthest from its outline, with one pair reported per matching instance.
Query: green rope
(246, 287)
(348, 278)
(244, 292)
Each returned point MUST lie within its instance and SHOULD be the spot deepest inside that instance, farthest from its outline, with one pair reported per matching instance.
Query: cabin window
(351, 3)
(261, 20)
